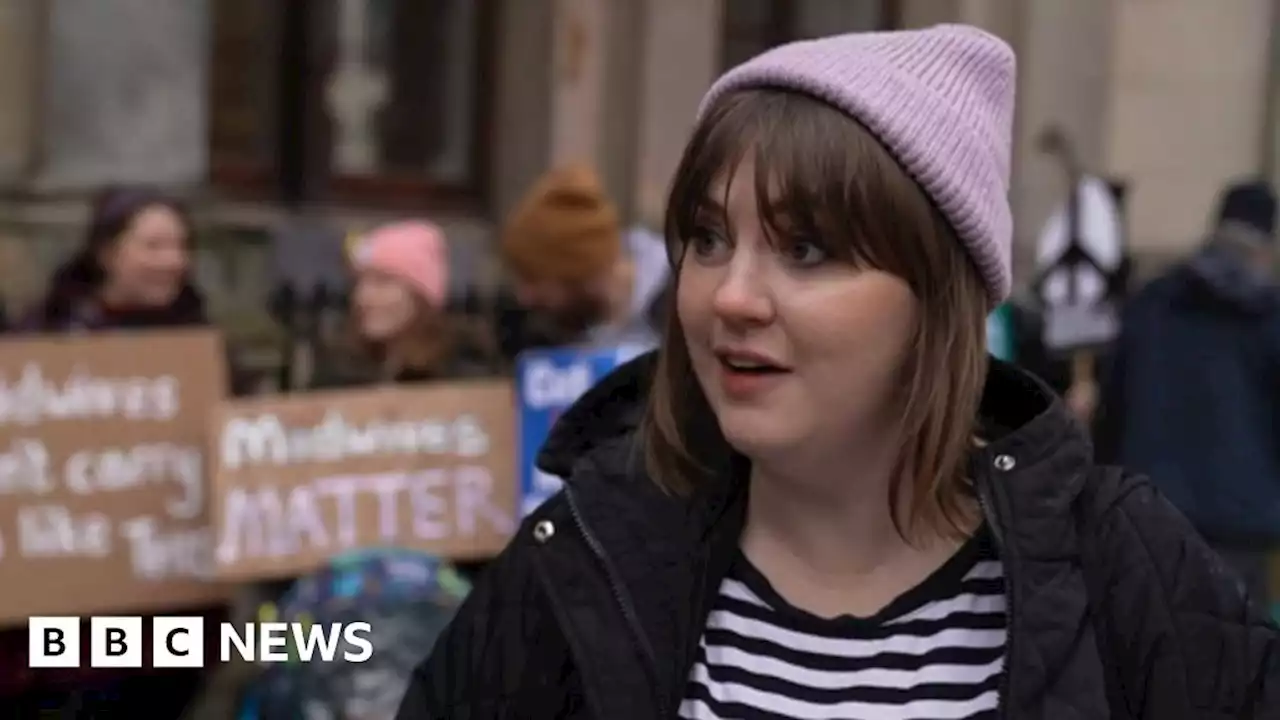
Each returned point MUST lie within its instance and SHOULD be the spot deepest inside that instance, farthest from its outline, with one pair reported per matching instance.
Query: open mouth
(750, 366)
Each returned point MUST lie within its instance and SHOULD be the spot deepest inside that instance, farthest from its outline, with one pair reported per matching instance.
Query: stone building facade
(354, 110)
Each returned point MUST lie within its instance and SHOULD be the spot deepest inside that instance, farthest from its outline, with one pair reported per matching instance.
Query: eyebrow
(710, 204)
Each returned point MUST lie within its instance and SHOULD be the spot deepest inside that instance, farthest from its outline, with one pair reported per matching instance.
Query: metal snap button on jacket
(544, 531)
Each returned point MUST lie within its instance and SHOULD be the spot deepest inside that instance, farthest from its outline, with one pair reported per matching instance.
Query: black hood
(1219, 275)
(1019, 413)
(610, 410)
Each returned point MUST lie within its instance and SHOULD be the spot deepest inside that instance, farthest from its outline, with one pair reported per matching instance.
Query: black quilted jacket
(1117, 609)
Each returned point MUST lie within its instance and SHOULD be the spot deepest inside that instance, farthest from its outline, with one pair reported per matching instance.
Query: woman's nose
(743, 296)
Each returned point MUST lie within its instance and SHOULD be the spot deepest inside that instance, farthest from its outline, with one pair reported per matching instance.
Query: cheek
(372, 307)
(389, 309)
(178, 260)
(402, 309)
(696, 316)
(142, 255)
(380, 322)
(693, 305)
(383, 297)
(120, 262)
(861, 338)
(131, 267)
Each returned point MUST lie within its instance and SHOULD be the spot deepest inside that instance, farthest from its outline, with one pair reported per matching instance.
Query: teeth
(746, 365)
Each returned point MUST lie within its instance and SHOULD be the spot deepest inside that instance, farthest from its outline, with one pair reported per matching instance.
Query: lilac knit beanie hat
(940, 100)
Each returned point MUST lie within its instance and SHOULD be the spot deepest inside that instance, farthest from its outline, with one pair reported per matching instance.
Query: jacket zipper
(620, 596)
(989, 510)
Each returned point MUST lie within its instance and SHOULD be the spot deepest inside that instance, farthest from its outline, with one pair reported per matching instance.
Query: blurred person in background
(1192, 397)
(398, 310)
(578, 277)
(133, 270)
(402, 330)
(398, 332)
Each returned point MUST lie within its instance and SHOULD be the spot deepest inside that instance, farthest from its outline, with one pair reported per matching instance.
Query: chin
(159, 300)
(756, 433)
(375, 334)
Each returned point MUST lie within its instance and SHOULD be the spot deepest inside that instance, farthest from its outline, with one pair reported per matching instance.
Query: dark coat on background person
(1193, 395)
(512, 329)
(1117, 608)
(1030, 352)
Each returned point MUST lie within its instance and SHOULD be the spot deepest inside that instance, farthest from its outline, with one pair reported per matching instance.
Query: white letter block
(115, 642)
(53, 642)
(177, 642)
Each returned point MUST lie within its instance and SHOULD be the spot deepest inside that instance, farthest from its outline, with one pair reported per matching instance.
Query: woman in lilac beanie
(820, 498)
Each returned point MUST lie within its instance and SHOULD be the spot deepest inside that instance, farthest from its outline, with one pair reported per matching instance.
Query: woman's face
(385, 307)
(793, 350)
(147, 264)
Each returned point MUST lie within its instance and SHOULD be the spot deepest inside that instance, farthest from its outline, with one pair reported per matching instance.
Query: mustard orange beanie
(564, 229)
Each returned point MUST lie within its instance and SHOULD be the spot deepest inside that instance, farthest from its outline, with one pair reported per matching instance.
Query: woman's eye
(705, 242)
(805, 253)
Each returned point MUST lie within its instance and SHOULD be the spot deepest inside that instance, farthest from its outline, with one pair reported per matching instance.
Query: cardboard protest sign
(298, 479)
(548, 382)
(102, 486)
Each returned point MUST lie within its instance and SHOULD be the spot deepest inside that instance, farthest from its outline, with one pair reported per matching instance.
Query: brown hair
(822, 176)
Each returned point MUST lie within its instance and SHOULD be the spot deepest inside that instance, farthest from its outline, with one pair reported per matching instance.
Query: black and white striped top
(935, 653)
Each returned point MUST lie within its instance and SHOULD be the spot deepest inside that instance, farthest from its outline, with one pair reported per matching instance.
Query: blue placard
(548, 382)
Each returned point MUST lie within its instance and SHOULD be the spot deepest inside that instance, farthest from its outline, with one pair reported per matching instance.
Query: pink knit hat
(940, 100)
(412, 251)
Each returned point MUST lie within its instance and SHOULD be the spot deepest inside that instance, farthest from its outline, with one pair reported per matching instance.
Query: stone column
(923, 13)
(579, 58)
(21, 23)
(1187, 111)
(999, 17)
(594, 84)
(681, 57)
(1064, 79)
(1271, 132)
(125, 96)
(817, 18)
(521, 102)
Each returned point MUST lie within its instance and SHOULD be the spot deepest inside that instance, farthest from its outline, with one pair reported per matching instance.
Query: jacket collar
(611, 409)
(1034, 465)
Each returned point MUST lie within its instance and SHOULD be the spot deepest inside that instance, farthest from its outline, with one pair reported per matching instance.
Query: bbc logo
(115, 642)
